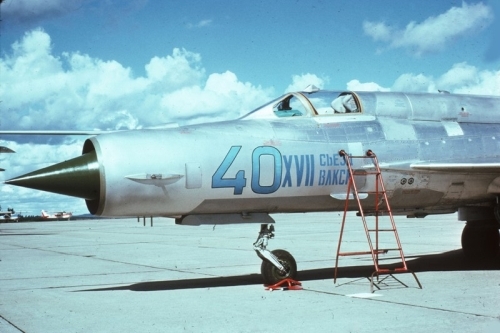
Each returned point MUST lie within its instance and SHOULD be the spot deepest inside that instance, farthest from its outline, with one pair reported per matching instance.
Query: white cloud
(43, 88)
(23, 10)
(300, 82)
(223, 96)
(200, 24)
(182, 68)
(461, 78)
(435, 33)
(466, 79)
(410, 82)
(356, 85)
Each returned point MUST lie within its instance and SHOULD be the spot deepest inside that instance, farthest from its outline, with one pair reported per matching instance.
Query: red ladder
(381, 208)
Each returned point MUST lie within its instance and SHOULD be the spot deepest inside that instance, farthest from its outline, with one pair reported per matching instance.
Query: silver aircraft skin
(439, 153)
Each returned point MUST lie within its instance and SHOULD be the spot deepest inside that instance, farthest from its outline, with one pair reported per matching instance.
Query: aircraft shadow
(447, 261)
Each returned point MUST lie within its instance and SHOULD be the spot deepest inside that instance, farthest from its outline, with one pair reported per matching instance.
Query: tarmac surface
(121, 276)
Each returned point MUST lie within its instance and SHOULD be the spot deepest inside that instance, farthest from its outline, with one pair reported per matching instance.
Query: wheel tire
(480, 241)
(273, 275)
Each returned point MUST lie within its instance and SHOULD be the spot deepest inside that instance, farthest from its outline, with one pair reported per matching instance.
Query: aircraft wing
(73, 132)
(53, 132)
(458, 167)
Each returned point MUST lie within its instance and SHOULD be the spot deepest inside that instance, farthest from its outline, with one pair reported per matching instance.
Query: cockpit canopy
(326, 105)
(315, 103)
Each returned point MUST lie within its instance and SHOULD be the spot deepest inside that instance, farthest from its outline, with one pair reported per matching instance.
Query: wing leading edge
(458, 167)
(52, 132)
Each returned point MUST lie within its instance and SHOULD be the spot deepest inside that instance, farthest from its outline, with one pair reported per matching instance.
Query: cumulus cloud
(222, 97)
(461, 78)
(44, 89)
(300, 82)
(365, 86)
(35, 10)
(410, 82)
(435, 33)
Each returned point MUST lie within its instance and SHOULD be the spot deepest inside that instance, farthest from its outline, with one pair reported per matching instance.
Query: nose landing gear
(277, 264)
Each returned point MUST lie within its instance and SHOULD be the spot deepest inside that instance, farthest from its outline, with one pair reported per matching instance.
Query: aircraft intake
(78, 177)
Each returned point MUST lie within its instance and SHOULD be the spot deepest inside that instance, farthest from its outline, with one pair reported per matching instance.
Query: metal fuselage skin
(262, 163)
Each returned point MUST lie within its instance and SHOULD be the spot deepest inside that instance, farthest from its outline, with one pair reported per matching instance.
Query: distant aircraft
(9, 215)
(439, 153)
(57, 215)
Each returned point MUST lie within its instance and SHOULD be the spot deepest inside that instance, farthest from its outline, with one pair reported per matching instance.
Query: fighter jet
(56, 215)
(439, 153)
(9, 215)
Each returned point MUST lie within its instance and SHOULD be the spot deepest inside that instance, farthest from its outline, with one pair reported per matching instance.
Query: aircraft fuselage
(260, 166)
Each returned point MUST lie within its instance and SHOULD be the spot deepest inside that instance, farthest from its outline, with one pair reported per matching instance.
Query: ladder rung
(344, 254)
(392, 270)
(387, 250)
(375, 251)
(364, 173)
(372, 214)
(381, 230)
(360, 156)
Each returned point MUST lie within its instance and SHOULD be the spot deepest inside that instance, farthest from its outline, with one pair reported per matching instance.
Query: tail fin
(44, 214)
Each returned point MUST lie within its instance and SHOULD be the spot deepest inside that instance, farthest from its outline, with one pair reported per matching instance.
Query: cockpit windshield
(288, 105)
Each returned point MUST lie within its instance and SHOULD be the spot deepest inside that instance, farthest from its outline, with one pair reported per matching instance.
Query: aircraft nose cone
(78, 177)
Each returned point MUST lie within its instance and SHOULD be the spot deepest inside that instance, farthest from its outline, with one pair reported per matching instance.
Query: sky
(106, 65)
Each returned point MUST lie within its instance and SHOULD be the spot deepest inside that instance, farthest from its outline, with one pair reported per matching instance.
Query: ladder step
(364, 173)
(381, 230)
(387, 250)
(345, 254)
(372, 214)
(360, 156)
(358, 253)
(393, 270)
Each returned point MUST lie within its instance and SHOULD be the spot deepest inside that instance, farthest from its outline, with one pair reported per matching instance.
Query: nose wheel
(277, 264)
(273, 274)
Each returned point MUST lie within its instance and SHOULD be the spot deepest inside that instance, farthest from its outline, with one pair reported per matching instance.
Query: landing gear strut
(276, 265)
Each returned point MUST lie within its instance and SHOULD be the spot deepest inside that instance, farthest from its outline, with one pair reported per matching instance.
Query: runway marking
(364, 295)
(7, 327)
(405, 304)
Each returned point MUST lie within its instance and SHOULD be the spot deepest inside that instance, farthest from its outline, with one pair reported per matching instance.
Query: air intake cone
(78, 177)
